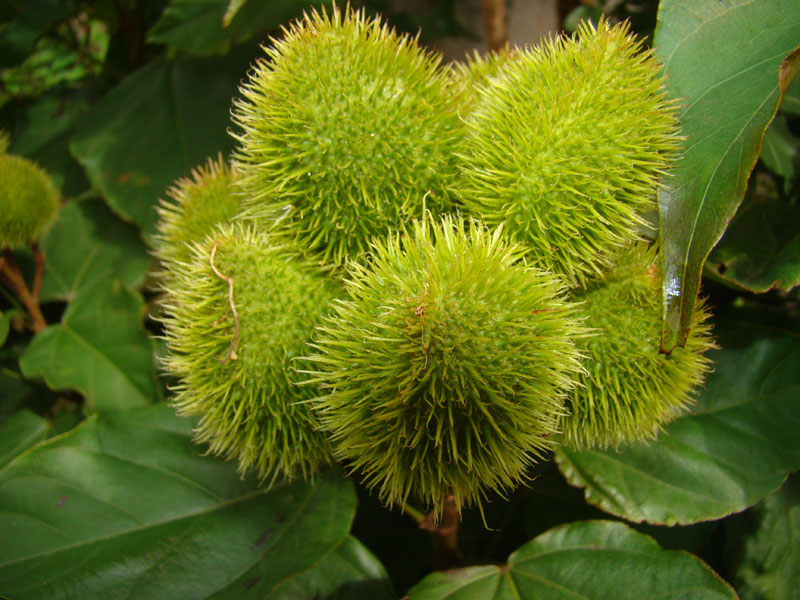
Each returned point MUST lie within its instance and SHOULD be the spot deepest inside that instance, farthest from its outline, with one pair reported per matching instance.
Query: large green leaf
(125, 506)
(761, 248)
(587, 559)
(155, 126)
(771, 566)
(728, 65)
(89, 244)
(735, 447)
(349, 572)
(18, 432)
(100, 349)
(42, 131)
(199, 26)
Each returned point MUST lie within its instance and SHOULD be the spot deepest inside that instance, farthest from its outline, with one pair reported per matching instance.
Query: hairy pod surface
(629, 390)
(446, 370)
(196, 205)
(28, 201)
(475, 72)
(348, 131)
(566, 145)
(239, 312)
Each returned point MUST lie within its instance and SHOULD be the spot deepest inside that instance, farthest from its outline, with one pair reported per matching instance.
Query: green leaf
(587, 559)
(791, 99)
(725, 66)
(761, 248)
(155, 126)
(781, 151)
(212, 26)
(735, 447)
(349, 572)
(100, 349)
(89, 244)
(125, 506)
(42, 132)
(18, 432)
(771, 566)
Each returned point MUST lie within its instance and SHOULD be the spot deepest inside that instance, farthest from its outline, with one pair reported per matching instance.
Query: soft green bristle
(447, 368)
(28, 201)
(239, 313)
(348, 133)
(196, 205)
(475, 72)
(566, 146)
(629, 390)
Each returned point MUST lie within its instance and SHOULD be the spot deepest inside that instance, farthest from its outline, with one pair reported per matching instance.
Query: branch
(10, 273)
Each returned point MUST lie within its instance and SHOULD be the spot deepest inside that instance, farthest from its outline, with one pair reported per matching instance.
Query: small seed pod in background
(238, 314)
(446, 370)
(28, 201)
(195, 206)
(347, 132)
(565, 148)
(629, 390)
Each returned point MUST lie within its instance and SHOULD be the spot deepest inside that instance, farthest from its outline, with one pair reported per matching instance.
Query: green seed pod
(447, 369)
(28, 201)
(5, 141)
(347, 132)
(239, 312)
(467, 77)
(566, 146)
(629, 390)
(196, 206)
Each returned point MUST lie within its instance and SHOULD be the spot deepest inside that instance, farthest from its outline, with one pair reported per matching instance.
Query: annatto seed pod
(196, 205)
(238, 314)
(447, 369)
(467, 77)
(629, 390)
(28, 201)
(347, 130)
(566, 146)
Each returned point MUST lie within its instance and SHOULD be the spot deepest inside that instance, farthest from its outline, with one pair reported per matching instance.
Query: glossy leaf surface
(587, 559)
(727, 64)
(126, 506)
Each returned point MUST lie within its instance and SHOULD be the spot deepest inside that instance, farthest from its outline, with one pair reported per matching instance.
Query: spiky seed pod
(347, 131)
(239, 312)
(28, 201)
(467, 77)
(446, 371)
(196, 205)
(566, 147)
(629, 390)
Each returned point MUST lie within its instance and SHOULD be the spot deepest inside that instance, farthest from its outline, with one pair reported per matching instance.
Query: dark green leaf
(588, 559)
(771, 567)
(761, 248)
(349, 572)
(155, 126)
(730, 451)
(18, 432)
(725, 65)
(199, 26)
(125, 506)
(41, 133)
(89, 244)
(100, 349)
(781, 151)
(791, 100)
(30, 21)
